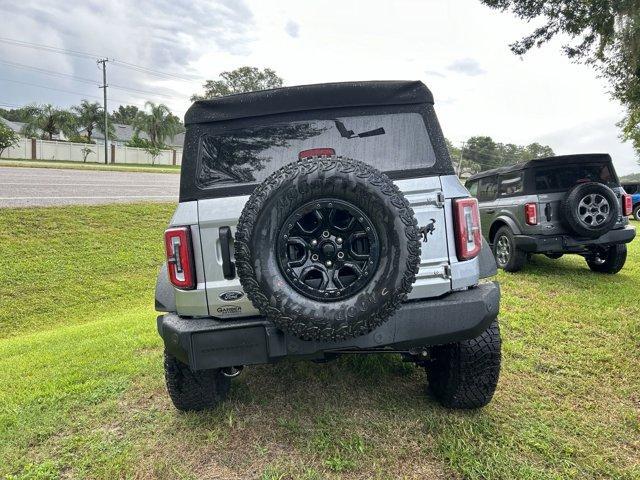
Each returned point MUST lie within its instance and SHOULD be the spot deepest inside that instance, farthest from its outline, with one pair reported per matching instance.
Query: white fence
(73, 152)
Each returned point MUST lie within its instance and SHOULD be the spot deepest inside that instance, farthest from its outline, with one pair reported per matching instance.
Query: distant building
(15, 126)
(177, 141)
(18, 127)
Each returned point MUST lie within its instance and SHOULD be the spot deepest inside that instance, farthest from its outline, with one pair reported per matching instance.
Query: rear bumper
(567, 243)
(205, 343)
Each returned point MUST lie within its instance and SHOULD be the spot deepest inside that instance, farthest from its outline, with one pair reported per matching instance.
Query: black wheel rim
(503, 250)
(328, 249)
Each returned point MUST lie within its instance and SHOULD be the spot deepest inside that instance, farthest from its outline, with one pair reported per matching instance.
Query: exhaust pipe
(232, 372)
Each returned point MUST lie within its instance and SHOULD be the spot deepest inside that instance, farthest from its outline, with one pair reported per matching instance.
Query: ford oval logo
(231, 296)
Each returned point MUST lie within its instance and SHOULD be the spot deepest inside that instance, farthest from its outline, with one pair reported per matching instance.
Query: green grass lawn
(118, 167)
(83, 396)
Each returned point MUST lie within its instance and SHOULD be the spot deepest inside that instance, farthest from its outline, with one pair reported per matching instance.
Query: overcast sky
(458, 48)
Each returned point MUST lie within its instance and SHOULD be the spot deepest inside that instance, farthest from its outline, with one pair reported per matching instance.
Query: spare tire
(590, 209)
(327, 248)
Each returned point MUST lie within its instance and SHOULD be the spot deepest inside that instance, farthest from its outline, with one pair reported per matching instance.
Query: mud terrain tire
(464, 375)
(610, 261)
(194, 391)
(301, 307)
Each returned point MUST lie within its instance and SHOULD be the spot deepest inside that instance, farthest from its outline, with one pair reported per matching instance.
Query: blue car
(633, 189)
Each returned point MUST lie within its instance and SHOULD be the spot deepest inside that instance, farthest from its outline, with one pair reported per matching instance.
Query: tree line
(483, 153)
(79, 123)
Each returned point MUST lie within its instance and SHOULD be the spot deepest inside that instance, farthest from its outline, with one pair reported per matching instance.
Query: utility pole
(460, 160)
(104, 61)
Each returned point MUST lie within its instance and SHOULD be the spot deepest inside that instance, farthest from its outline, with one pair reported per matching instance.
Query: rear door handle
(489, 211)
(228, 267)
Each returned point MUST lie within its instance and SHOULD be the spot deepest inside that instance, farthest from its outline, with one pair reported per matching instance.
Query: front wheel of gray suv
(508, 256)
(194, 391)
(464, 375)
(608, 260)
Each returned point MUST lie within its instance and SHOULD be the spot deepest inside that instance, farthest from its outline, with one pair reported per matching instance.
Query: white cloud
(292, 28)
(466, 66)
(542, 97)
(591, 137)
(165, 35)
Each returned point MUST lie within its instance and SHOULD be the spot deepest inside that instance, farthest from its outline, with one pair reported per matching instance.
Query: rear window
(391, 142)
(563, 178)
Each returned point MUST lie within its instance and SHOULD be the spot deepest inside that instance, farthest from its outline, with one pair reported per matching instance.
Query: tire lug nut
(339, 240)
(314, 257)
(340, 255)
(314, 242)
(326, 234)
(328, 263)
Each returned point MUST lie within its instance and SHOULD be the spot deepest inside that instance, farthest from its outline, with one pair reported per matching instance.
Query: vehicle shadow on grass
(569, 267)
(346, 415)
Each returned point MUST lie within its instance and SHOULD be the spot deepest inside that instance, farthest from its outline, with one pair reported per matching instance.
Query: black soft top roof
(308, 97)
(546, 162)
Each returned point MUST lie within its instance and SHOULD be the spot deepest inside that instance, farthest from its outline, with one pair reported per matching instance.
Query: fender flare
(503, 220)
(165, 293)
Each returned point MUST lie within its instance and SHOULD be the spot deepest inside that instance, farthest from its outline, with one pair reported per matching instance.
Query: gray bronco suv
(322, 220)
(553, 206)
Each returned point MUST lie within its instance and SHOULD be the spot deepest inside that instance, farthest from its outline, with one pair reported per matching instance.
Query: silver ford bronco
(322, 220)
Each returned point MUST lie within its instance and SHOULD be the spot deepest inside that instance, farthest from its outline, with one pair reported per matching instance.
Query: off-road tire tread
(518, 257)
(616, 258)
(248, 218)
(194, 391)
(464, 375)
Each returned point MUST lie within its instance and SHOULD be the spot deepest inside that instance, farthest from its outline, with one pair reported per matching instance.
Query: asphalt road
(42, 187)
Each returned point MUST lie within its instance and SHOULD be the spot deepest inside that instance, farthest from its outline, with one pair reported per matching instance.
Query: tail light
(177, 242)
(531, 213)
(627, 204)
(316, 152)
(467, 226)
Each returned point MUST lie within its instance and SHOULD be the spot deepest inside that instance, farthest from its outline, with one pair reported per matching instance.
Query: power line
(93, 56)
(82, 79)
(137, 90)
(150, 71)
(48, 48)
(11, 105)
(127, 102)
(49, 72)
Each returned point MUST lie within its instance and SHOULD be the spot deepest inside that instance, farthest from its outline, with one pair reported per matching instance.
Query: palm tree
(159, 123)
(89, 115)
(49, 120)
